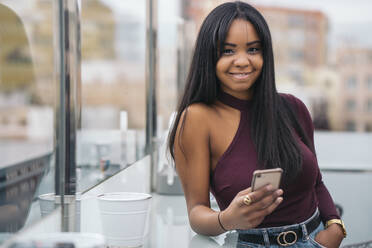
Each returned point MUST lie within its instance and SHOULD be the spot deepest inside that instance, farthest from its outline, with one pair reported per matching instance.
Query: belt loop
(305, 235)
(266, 238)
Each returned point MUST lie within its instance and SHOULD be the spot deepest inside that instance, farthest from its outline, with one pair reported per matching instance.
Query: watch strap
(339, 222)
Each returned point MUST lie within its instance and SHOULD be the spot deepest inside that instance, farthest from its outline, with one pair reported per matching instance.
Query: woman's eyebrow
(247, 44)
(229, 44)
(253, 42)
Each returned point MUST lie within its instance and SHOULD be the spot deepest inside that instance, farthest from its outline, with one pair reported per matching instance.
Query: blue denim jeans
(306, 241)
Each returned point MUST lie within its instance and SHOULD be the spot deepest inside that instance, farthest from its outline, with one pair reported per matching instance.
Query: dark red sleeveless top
(234, 170)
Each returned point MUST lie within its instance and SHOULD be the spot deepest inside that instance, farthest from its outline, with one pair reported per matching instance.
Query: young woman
(232, 121)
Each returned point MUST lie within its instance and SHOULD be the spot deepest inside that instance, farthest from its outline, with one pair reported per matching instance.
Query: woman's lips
(240, 75)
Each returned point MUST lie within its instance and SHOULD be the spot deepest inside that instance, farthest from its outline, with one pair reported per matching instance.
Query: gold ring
(247, 200)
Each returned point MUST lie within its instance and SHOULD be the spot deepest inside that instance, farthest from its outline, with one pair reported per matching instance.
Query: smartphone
(269, 176)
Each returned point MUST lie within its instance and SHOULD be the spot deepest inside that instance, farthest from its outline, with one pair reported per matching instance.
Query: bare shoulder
(194, 125)
(192, 136)
(199, 109)
(197, 114)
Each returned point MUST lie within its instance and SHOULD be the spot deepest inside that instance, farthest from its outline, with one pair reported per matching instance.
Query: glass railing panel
(174, 53)
(27, 100)
(111, 134)
(350, 191)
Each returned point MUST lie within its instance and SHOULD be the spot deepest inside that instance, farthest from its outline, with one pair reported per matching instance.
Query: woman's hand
(240, 216)
(330, 237)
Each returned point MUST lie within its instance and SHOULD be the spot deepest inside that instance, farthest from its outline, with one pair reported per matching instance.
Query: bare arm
(191, 151)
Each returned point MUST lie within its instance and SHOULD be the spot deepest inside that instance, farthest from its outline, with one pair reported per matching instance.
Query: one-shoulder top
(234, 170)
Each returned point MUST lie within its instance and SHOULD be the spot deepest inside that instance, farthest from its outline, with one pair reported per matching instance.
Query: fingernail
(279, 192)
(280, 199)
(269, 187)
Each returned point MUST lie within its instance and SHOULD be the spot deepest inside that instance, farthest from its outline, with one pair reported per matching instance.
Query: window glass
(369, 105)
(174, 49)
(27, 100)
(295, 20)
(350, 126)
(351, 83)
(350, 105)
(369, 82)
(113, 93)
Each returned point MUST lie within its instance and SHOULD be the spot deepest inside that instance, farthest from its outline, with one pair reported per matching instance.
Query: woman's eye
(227, 51)
(254, 50)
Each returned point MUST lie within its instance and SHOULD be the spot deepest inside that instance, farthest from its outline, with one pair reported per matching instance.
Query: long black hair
(272, 117)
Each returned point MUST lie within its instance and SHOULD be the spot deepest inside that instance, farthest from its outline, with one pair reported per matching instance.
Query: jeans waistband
(283, 235)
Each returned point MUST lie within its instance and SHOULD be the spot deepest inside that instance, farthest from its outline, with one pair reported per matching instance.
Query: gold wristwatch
(339, 222)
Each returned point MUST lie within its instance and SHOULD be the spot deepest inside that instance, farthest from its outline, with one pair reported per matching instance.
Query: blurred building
(341, 95)
(41, 28)
(16, 71)
(299, 42)
(17, 77)
(196, 11)
(301, 58)
(113, 61)
(354, 101)
(113, 66)
(323, 97)
(97, 30)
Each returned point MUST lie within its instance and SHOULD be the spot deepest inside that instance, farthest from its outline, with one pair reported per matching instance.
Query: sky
(349, 20)
(338, 10)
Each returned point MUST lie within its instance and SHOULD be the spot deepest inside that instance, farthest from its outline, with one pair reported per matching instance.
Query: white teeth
(240, 76)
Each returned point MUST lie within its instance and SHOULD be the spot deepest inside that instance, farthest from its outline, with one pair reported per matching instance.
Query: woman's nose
(242, 60)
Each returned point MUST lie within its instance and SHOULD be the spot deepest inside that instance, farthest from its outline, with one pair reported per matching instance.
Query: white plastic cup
(79, 240)
(48, 202)
(124, 216)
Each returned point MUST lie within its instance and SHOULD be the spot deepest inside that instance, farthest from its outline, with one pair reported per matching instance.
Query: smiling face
(240, 63)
